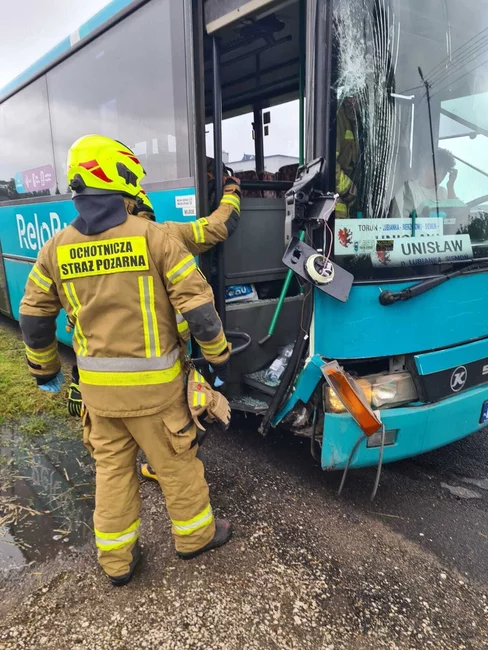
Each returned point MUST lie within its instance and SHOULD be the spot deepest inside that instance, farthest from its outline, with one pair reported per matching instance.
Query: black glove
(220, 374)
(75, 402)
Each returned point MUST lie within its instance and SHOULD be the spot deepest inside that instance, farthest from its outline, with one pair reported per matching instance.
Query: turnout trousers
(168, 440)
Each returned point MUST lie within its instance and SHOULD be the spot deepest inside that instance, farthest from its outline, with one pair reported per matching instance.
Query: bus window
(238, 149)
(281, 141)
(410, 135)
(260, 75)
(281, 146)
(463, 131)
(237, 142)
(129, 84)
(26, 163)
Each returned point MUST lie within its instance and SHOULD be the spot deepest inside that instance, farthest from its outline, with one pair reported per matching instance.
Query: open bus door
(252, 61)
(255, 61)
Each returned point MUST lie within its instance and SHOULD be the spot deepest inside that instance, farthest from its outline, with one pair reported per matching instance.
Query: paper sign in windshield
(412, 251)
(359, 236)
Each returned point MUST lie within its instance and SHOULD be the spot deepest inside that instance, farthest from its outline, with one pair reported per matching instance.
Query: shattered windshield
(411, 127)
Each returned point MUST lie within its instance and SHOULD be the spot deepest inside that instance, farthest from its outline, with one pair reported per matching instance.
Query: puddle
(461, 492)
(46, 498)
(481, 483)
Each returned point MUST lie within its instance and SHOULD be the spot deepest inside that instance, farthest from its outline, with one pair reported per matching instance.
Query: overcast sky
(30, 28)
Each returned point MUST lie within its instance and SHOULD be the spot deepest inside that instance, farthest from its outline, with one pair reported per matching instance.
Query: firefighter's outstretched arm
(39, 309)
(190, 293)
(200, 235)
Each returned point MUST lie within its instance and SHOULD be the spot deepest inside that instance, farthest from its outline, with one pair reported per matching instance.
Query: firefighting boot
(120, 581)
(223, 533)
(148, 472)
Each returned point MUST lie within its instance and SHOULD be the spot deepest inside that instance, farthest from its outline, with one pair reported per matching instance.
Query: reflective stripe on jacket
(121, 289)
(201, 235)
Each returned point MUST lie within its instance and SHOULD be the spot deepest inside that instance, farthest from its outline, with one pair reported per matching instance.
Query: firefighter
(347, 157)
(120, 279)
(198, 237)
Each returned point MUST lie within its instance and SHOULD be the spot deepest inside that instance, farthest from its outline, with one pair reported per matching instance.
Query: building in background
(271, 163)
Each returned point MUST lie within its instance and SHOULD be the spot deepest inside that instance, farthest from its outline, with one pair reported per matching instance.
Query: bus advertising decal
(35, 180)
(412, 251)
(33, 235)
(27, 227)
(360, 236)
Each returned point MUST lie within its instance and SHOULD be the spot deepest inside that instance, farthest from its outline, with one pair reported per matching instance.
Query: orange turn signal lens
(352, 396)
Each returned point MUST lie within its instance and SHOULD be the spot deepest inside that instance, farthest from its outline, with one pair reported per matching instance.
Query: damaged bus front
(408, 106)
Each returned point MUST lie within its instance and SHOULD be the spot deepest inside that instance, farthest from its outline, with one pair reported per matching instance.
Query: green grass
(34, 426)
(19, 394)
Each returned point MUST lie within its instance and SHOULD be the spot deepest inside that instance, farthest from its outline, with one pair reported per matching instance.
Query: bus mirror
(352, 397)
(338, 281)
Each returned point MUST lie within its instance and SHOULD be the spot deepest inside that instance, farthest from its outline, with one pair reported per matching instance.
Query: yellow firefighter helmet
(98, 164)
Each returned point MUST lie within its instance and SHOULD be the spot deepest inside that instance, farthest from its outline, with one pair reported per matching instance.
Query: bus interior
(261, 90)
(261, 62)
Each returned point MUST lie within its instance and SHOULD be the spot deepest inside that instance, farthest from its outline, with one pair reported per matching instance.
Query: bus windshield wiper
(389, 297)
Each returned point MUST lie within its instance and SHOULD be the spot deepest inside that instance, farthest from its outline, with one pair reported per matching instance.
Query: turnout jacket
(203, 234)
(120, 279)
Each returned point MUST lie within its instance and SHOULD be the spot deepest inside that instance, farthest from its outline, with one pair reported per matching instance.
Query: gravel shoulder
(304, 571)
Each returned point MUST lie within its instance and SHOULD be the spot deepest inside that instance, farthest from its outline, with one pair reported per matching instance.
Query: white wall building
(271, 163)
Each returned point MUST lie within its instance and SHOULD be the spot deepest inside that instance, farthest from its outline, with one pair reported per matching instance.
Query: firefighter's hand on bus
(53, 385)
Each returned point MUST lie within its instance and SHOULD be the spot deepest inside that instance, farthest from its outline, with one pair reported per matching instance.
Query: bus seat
(287, 173)
(249, 175)
(268, 176)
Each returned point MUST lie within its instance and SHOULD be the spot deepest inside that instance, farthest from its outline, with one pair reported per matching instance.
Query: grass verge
(19, 395)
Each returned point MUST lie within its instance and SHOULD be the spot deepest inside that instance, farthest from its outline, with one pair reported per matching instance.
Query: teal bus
(359, 130)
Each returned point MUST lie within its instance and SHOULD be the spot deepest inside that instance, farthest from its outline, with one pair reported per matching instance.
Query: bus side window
(281, 142)
(237, 148)
(26, 161)
(128, 84)
(281, 147)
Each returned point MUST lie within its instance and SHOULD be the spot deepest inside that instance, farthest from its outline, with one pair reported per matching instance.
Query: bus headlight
(382, 391)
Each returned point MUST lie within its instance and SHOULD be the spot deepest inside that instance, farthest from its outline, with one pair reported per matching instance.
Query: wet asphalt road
(304, 571)
(438, 500)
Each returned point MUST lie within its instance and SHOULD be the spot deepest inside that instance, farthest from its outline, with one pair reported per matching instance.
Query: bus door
(254, 130)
